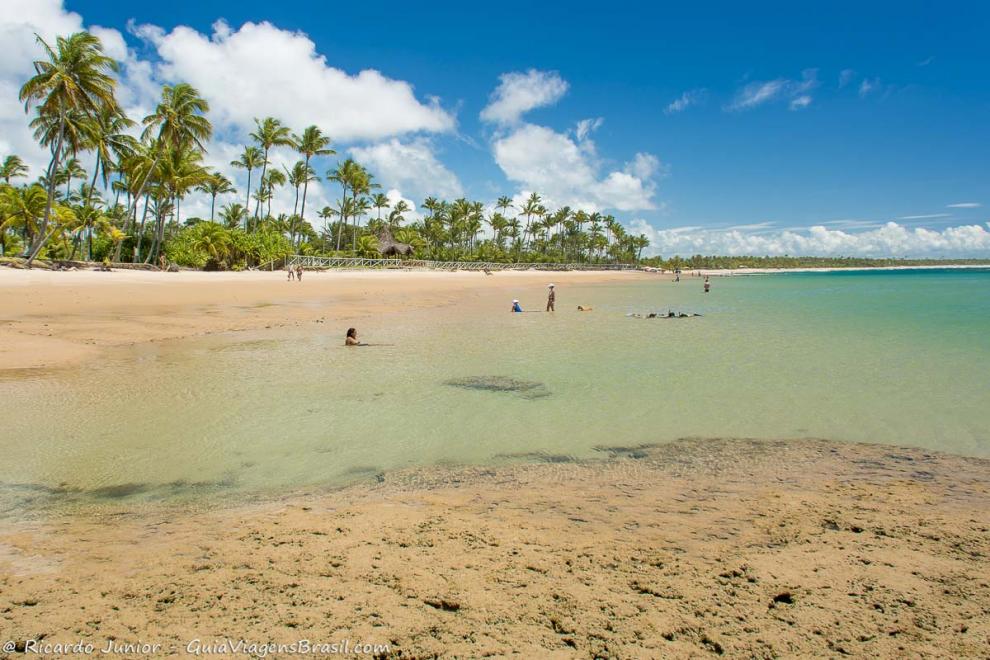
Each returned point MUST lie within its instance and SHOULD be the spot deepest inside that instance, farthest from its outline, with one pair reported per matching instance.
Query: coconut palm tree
(250, 159)
(299, 176)
(74, 76)
(269, 132)
(233, 215)
(71, 169)
(269, 182)
(108, 137)
(311, 143)
(21, 208)
(216, 184)
(12, 168)
(379, 201)
(177, 123)
(395, 217)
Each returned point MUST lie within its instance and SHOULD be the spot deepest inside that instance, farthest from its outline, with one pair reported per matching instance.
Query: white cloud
(586, 127)
(260, 70)
(868, 86)
(20, 21)
(888, 240)
(686, 100)
(518, 93)
(410, 166)
(964, 205)
(565, 172)
(928, 216)
(758, 93)
(845, 77)
(800, 102)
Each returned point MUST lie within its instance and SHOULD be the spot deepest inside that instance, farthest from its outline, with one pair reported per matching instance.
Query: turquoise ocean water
(889, 357)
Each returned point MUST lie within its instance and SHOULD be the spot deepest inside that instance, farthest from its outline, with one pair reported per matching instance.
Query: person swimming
(516, 307)
(351, 339)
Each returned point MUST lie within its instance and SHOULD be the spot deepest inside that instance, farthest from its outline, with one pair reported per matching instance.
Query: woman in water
(351, 339)
(516, 307)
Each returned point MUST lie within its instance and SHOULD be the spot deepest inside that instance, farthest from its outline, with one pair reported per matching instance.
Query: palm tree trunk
(92, 186)
(302, 211)
(247, 202)
(213, 204)
(264, 168)
(144, 217)
(52, 168)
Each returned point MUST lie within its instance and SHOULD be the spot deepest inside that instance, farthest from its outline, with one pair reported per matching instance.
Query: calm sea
(901, 358)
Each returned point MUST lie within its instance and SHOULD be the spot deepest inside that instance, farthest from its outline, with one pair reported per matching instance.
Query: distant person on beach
(351, 339)
(516, 307)
(708, 285)
(584, 308)
(292, 273)
(551, 299)
(299, 270)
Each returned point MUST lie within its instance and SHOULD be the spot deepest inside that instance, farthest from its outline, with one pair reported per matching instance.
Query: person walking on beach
(516, 307)
(292, 273)
(299, 270)
(551, 299)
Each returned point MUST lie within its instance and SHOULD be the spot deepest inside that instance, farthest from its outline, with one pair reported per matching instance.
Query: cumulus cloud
(890, 239)
(518, 93)
(259, 70)
(566, 172)
(410, 166)
(757, 93)
(686, 100)
(20, 21)
(253, 71)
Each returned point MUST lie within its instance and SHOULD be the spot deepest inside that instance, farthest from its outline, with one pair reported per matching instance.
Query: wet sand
(749, 549)
(55, 319)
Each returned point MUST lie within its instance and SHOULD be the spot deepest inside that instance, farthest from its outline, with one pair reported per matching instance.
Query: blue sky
(846, 116)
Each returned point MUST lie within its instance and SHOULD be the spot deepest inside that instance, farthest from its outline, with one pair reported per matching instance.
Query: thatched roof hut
(389, 247)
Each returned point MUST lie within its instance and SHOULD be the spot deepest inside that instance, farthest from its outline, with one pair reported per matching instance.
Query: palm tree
(107, 136)
(395, 215)
(71, 169)
(178, 122)
(21, 208)
(532, 207)
(233, 214)
(269, 183)
(269, 132)
(379, 201)
(75, 76)
(311, 143)
(13, 167)
(216, 184)
(347, 174)
(299, 176)
(250, 159)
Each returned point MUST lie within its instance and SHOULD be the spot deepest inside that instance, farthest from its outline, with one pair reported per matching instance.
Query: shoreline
(796, 547)
(53, 319)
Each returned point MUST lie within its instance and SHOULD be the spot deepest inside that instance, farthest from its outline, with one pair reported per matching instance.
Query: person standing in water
(516, 307)
(551, 299)
(708, 285)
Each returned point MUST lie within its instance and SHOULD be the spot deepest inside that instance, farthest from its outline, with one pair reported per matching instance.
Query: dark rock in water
(527, 389)
(538, 456)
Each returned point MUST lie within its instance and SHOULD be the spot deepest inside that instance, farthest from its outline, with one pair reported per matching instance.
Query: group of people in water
(351, 338)
(551, 301)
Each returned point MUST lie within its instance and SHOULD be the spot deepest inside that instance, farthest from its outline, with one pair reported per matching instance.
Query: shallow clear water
(887, 357)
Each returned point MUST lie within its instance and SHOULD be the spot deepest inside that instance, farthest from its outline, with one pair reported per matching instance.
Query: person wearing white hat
(551, 299)
(516, 307)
